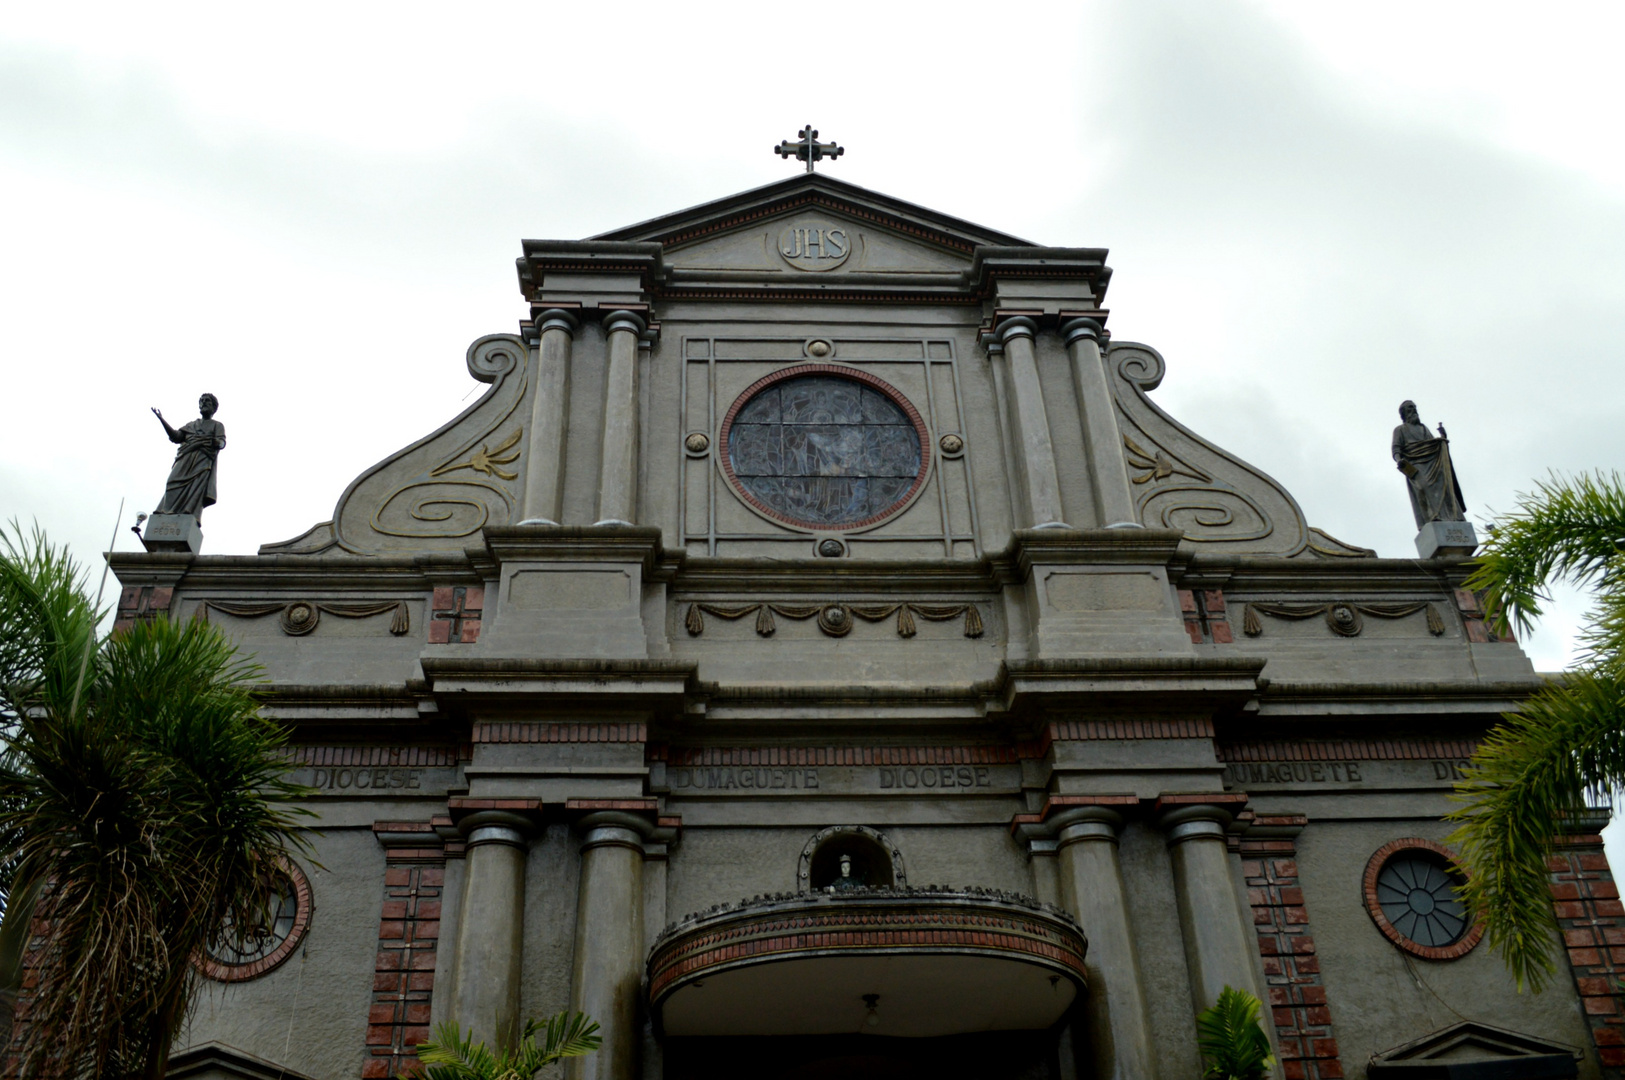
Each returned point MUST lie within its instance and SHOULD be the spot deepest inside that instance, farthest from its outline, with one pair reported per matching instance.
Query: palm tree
(143, 809)
(1565, 749)
(452, 1055)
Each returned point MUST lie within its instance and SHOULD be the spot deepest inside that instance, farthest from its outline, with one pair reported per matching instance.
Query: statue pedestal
(173, 532)
(1441, 538)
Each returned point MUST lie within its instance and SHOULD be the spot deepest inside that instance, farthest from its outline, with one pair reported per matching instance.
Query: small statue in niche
(191, 484)
(1425, 461)
(846, 882)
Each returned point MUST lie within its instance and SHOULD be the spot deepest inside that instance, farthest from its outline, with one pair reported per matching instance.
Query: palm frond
(1568, 528)
(452, 1055)
(1530, 777)
(1230, 1038)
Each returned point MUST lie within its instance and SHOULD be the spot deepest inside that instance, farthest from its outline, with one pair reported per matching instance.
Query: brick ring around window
(287, 917)
(1410, 894)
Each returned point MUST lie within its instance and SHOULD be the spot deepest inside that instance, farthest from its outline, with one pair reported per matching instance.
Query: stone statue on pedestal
(174, 526)
(1436, 498)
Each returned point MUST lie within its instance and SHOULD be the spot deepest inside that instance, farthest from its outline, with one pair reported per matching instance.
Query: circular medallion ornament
(1411, 893)
(299, 618)
(835, 621)
(951, 445)
(813, 244)
(824, 447)
(697, 443)
(237, 956)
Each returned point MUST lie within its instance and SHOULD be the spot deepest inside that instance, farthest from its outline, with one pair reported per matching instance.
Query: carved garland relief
(836, 619)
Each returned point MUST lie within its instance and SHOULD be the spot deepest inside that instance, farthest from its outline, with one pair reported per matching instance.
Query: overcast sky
(1313, 211)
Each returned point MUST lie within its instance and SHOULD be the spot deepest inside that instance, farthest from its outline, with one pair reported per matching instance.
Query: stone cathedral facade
(816, 654)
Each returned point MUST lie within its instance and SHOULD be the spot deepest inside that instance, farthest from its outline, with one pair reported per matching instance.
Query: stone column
(618, 478)
(491, 927)
(549, 418)
(1032, 424)
(608, 979)
(1219, 945)
(1101, 435)
(1092, 885)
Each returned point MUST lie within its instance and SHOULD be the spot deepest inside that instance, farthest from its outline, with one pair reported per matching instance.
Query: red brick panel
(1593, 924)
(403, 979)
(1349, 750)
(1297, 997)
(525, 732)
(141, 602)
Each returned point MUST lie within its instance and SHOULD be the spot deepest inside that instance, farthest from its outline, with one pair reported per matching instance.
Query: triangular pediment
(1474, 1051)
(813, 194)
(217, 1061)
(813, 224)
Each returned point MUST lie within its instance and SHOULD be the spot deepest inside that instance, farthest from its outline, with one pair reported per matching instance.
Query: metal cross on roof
(808, 148)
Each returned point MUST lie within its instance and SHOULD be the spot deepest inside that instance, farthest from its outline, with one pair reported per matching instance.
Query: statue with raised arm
(1425, 461)
(191, 484)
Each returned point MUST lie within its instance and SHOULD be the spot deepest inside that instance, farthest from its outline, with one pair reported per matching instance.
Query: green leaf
(1231, 1039)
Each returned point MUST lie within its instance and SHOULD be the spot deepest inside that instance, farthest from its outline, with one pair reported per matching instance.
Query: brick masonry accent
(1593, 925)
(371, 756)
(560, 733)
(827, 930)
(1349, 750)
(455, 614)
(1472, 617)
(140, 602)
(833, 755)
(1297, 996)
(403, 975)
(1373, 906)
(1206, 619)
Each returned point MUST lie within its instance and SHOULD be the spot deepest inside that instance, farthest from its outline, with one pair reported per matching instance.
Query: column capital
(625, 319)
(556, 319)
(1191, 817)
(1075, 329)
(1017, 326)
(1083, 823)
(496, 827)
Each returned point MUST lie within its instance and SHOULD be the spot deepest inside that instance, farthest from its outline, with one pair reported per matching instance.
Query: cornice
(1050, 547)
(836, 577)
(584, 543)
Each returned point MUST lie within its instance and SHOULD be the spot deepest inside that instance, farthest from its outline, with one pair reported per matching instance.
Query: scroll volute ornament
(1182, 481)
(441, 490)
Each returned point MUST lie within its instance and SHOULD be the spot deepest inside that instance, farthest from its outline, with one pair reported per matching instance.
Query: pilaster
(549, 417)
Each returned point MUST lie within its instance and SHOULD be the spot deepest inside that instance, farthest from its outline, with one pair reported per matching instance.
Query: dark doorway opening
(1000, 1055)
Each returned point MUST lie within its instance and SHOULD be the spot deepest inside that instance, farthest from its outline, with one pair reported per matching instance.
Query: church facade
(816, 654)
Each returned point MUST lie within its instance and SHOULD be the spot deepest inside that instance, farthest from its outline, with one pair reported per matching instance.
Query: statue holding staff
(1425, 461)
(191, 484)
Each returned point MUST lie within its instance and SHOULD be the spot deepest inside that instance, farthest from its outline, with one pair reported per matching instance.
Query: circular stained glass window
(239, 953)
(1412, 894)
(1418, 895)
(824, 447)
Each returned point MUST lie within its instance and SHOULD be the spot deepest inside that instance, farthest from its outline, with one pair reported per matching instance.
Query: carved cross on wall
(807, 148)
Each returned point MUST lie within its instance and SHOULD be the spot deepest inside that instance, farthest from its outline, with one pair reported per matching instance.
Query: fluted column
(491, 928)
(549, 418)
(1092, 886)
(1032, 423)
(1218, 943)
(618, 478)
(608, 980)
(1102, 436)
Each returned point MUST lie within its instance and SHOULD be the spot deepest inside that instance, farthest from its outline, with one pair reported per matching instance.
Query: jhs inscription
(342, 779)
(945, 776)
(814, 245)
(794, 779)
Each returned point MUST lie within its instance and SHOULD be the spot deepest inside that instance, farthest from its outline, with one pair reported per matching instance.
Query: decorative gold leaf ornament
(1155, 465)
(488, 461)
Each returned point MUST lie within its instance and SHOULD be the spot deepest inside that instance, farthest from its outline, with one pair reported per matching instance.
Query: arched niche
(876, 861)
